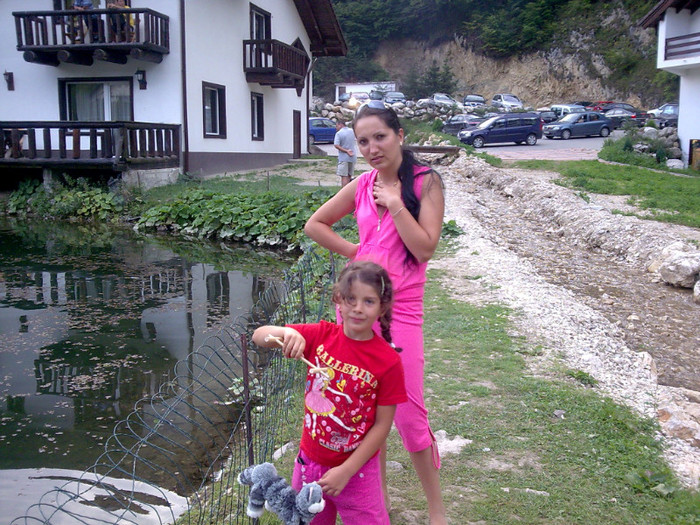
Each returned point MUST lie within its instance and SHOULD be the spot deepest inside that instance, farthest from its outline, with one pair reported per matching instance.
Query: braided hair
(373, 275)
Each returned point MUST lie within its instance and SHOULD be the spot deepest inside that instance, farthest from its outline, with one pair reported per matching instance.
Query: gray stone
(675, 164)
(681, 269)
(651, 133)
(675, 153)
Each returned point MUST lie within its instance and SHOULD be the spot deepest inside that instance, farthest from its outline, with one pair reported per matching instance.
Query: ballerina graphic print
(334, 404)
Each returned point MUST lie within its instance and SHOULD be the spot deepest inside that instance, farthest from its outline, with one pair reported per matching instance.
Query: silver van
(564, 109)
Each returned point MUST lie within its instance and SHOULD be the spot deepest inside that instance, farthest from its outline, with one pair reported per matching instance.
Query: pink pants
(411, 417)
(360, 503)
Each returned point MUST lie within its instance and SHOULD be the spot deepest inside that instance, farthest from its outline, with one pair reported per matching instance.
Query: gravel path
(577, 275)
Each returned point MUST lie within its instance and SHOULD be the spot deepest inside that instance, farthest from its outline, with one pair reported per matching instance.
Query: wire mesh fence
(175, 458)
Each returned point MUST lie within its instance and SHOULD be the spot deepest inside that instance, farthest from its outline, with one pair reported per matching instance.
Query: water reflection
(91, 320)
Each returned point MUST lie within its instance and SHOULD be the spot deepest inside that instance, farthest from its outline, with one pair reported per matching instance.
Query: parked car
(392, 97)
(585, 103)
(617, 105)
(657, 111)
(459, 122)
(321, 130)
(523, 127)
(473, 101)
(506, 101)
(441, 100)
(668, 117)
(598, 106)
(583, 124)
(343, 97)
(357, 99)
(619, 116)
(376, 95)
(547, 116)
(564, 109)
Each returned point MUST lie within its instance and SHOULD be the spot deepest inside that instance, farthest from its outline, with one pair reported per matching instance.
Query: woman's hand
(334, 481)
(387, 195)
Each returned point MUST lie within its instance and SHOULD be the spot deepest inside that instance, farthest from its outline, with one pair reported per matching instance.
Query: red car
(598, 106)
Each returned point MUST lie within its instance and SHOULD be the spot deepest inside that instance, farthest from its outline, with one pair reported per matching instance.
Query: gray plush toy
(270, 491)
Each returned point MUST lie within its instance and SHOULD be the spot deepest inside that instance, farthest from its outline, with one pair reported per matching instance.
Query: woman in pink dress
(399, 207)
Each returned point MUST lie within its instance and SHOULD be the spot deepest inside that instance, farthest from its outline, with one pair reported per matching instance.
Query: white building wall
(689, 110)
(673, 25)
(678, 24)
(215, 33)
(36, 95)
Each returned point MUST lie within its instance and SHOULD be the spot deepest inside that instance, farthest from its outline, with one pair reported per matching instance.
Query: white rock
(681, 269)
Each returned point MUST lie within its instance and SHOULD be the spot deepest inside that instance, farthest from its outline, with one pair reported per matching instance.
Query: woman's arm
(421, 237)
(318, 227)
(334, 481)
(294, 342)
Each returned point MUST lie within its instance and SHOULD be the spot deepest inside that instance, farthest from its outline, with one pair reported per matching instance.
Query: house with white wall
(678, 28)
(366, 87)
(194, 86)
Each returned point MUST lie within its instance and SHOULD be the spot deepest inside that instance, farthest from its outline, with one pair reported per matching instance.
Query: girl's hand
(333, 482)
(387, 194)
(294, 343)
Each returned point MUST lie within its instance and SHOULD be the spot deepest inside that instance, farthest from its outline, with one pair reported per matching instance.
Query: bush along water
(73, 199)
(270, 218)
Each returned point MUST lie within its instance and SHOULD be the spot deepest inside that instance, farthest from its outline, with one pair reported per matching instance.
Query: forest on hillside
(494, 28)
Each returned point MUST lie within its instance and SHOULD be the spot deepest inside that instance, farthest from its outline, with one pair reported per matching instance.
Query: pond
(93, 319)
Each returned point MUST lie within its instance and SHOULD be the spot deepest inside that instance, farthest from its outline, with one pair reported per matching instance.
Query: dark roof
(322, 27)
(651, 19)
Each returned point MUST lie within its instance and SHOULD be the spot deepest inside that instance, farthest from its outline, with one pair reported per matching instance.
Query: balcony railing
(113, 145)
(683, 46)
(52, 37)
(274, 63)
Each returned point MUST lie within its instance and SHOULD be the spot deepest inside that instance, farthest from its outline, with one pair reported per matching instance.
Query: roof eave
(323, 28)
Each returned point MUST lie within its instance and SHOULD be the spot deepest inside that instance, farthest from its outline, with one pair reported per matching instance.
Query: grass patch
(279, 179)
(669, 198)
(583, 458)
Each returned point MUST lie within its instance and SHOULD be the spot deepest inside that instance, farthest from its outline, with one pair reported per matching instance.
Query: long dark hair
(408, 164)
(373, 275)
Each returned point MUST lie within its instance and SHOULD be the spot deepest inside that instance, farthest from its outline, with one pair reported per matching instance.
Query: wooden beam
(75, 57)
(145, 55)
(106, 55)
(41, 57)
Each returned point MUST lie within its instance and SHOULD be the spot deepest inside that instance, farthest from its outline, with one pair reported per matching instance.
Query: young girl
(350, 397)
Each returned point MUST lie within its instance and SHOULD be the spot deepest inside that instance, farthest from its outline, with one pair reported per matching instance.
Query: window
(260, 24)
(214, 110)
(96, 100)
(257, 116)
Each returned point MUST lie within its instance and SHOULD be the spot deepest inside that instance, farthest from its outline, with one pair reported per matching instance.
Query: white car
(656, 112)
(440, 100)
(506, 102)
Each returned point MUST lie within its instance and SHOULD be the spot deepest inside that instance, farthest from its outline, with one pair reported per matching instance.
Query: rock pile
(421, 111)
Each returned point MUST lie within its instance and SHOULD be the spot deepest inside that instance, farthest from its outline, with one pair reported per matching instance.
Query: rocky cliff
(575, 68)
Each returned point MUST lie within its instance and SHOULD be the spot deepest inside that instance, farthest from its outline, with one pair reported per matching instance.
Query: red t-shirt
(341, 405)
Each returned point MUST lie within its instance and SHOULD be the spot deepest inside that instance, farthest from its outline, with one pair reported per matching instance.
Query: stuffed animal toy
(274, 493)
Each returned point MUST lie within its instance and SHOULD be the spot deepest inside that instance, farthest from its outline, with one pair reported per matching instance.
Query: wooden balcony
(683, 47)
(274, 63)
(89, 145)
(81, 37)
